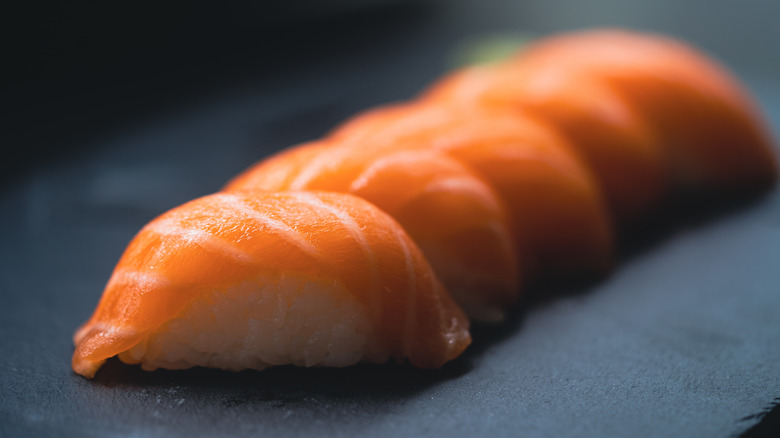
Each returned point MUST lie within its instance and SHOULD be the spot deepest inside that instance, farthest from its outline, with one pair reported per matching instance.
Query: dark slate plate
(682, 340)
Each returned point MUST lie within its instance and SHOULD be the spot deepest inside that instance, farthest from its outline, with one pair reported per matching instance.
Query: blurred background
(84, 74)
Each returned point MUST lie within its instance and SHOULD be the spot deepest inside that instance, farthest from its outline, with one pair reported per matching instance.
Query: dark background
(114, 113)
(79, 70)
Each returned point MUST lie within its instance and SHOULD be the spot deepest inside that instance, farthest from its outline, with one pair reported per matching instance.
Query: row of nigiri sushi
(384, 239)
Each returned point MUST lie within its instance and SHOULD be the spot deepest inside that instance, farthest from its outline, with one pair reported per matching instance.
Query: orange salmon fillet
(455, 218)
(218, 241)
(556, 211)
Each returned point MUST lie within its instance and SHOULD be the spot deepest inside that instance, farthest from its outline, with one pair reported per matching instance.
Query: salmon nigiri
(609, 135)
(238, 281)
(452, 215)
(707, 124)
(556, 211)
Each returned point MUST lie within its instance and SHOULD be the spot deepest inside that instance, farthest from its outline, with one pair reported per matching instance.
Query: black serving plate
(682, 340)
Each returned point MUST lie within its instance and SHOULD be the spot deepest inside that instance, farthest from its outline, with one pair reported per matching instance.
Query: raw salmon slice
(623, 153)
(708, 125)
(556, 211)
(239, 281)
(455, 218)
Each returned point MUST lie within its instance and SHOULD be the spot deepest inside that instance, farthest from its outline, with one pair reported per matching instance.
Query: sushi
(607, 134)
(557, 214)
(708, 124)
(382, 240)
(239, 281)
(454, 217)
(639, 108)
